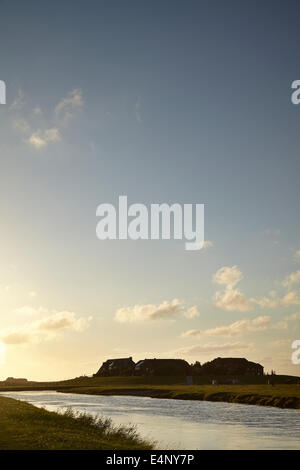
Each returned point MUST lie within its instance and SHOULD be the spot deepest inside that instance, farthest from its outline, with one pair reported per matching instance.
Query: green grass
(25, 427)
(251, 390)
(138, 380)
(283, 396)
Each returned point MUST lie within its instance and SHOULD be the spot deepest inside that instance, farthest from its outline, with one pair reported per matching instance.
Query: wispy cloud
(287, 300)
(167, 310)
(234, 329)
(38, 136)
(69, 106)
(291, 279)
(228, 276)
(230, 298)
(291, 298)
(46, 328)
(192, 312)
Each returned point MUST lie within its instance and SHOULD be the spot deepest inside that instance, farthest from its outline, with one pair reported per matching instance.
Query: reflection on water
(185, 424)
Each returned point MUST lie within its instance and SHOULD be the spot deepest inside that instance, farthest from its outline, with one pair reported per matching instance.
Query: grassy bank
(25, 427)
(282, 396)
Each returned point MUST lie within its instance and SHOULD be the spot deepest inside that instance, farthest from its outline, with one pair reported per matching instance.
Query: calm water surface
(185, 424)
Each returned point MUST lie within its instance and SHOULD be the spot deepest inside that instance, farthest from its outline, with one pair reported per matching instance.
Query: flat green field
(25, 427)
(282, 395)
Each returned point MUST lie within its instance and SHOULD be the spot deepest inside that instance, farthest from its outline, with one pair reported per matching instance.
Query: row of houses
(178, 367)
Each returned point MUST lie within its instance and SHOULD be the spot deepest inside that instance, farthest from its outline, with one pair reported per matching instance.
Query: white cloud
(266, 302)
(291, 298)
(40, 139)
(36, 140)
(228, 276)
(232, 300)
(261, 321)
(291, 279)
(16, 337)
(68, 107)
(46, 328)
(234, 329)
(62, 321)
(165, 310)
(192, 312)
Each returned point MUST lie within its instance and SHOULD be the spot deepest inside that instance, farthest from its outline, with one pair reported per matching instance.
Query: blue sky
(183, 102)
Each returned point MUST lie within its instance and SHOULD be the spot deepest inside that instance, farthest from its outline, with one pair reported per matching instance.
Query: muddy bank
(229, 397)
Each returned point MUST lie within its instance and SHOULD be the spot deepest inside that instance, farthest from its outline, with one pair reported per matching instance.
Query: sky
(165, 102)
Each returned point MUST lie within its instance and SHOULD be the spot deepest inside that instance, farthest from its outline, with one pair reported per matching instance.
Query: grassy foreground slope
(25, 427)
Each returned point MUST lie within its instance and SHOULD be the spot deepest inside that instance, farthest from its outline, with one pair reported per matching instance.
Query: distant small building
(232, 366)
(160, 367)
(13, 381)
(116, 367)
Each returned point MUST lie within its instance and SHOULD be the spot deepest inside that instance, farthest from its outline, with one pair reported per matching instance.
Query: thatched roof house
(231, 366)
(166, 367)
(116, 367)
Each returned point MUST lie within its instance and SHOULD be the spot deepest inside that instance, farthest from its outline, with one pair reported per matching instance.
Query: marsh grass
(23, 426)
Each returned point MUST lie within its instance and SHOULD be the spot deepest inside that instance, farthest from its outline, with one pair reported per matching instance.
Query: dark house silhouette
(167, 367)
(221, 366)
(231, 366)
(13, 380)
(116, 367)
